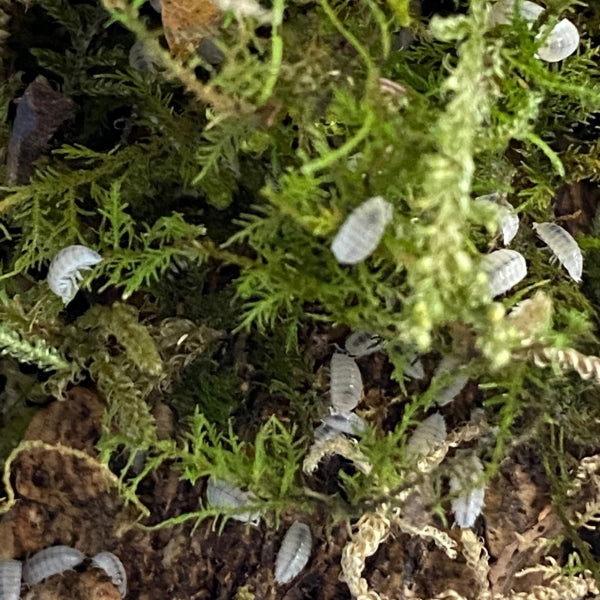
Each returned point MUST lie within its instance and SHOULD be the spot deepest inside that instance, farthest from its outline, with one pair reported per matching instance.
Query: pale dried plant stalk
(477, 558)
(587, 366)
(341, 445)
(371, 530)
(441, 539)
(467, 433)
(588, 470)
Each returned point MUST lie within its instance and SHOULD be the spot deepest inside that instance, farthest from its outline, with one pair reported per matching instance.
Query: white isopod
(49, 562)
(503, 12)
(64, 273)
(508, 218)
(561, 43)
(293, 553)
(346, 383)
(362, 231)
(222, 494)
(323, 433)
(504, 268)
(448, 393)
(346, 422)
(111, 564)
(564, 247)
(140, 59)
(10, 579)
(363, 343)
(426, 436)
(466, 488)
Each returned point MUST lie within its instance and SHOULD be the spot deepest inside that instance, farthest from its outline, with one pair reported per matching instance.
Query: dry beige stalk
(372, 529)
(341, 445)
(477, 558)
(588, 367)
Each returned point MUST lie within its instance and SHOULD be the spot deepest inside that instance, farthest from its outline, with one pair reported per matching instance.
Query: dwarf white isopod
(426, 436)
(504, 268)
(448, 393)
(64, 273)
(323, 433)
(361, 232)
(346, 422)
(564, 247)
(466, 488)
(363, 343)
(561, 43)
(346, 383)
(293, 553)
(49, 562)
(10, 579)
(508, 218)
(222, 494)
(111, 564)
(503, 12)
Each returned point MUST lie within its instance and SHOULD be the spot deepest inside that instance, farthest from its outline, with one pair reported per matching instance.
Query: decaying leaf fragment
(40, 112)
(187, 23)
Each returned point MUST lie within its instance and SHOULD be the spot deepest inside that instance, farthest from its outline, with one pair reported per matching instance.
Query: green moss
(239, 179)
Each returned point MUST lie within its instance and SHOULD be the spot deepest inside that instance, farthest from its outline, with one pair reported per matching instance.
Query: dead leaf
(187, 23)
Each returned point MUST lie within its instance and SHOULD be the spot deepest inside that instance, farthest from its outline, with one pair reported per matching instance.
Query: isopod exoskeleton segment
(346, 383)
(467, 488)
(504, 268)
(564, 247)
(346, 422)
(293, 553)
(49, 562)
(508, 218)
(363, 343)
(10, 579)
(426, 436)
(361, 232)
(111, 564)
(503, 12)
(64, 273)
(562, 41)
(449, 392)
(222, 494)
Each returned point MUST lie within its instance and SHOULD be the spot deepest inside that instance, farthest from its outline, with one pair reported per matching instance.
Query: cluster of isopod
(53, 561)
(64, 273)
(467, 487)
(559, 43)
(297, 542)
(505, 268)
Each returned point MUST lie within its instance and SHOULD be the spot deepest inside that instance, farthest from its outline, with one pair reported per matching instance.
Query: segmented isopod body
(293, 553)
(363, 343)
(508, 218)
(564, 247)
(10, 579)
(414, 367)
(222, 494)
(111, 564)
(323, 433)
(505, 268)
(346, 422)
(346, 383)
(448, 393)
(141, 60)
(361, 232)
(426, 436)
(49, 562)
(65, 269)
(466, 488)
(503, 12)
(561, 43)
